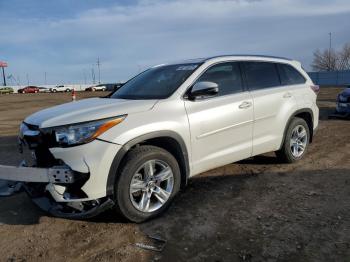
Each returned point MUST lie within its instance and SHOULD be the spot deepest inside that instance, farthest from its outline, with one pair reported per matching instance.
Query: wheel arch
(307, 115)
(168, 140)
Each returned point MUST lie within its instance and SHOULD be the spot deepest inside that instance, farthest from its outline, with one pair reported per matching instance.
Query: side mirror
(203, 89)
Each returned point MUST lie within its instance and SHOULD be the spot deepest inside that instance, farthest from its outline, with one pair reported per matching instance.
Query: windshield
(155, 83)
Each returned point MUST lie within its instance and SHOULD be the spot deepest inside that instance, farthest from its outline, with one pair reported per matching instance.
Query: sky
(64, 38)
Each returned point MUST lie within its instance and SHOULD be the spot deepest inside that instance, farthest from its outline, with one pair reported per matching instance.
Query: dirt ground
(254, 210)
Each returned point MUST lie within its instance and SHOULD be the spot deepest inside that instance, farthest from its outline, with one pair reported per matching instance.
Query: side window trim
(243, 76)
(278, 73)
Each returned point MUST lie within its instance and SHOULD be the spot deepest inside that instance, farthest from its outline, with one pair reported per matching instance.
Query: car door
(273, 103)
(221, 126)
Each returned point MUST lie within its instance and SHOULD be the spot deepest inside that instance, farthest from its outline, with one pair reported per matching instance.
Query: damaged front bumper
(65, 182)
(47, 187)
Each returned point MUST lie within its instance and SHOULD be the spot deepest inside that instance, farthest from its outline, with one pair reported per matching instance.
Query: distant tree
(331, 60)
(344, 58)
(325, 60)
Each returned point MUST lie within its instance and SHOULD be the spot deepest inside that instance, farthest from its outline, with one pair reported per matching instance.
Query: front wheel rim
(298, 141)
(151, 186)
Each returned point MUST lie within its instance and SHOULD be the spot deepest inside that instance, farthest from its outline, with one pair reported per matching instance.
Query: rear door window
(289, 75)
(260, 75)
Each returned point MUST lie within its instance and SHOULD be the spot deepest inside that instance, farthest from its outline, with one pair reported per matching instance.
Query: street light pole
(3, 75)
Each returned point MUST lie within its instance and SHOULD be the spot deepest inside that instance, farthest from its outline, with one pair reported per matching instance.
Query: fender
(303, 110)
(113, 172)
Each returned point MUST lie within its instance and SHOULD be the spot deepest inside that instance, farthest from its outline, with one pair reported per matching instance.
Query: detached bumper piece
(73, 210)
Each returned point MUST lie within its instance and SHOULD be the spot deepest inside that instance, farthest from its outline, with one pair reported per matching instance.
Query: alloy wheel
(151, 186)
(298, 141)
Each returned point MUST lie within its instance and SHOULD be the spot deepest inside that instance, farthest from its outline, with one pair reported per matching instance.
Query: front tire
(148, 182)
(296, 141)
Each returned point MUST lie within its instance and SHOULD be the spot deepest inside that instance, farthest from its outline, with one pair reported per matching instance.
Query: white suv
(134, 150)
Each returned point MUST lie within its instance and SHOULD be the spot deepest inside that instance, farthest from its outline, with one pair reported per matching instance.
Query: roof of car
(204, 59)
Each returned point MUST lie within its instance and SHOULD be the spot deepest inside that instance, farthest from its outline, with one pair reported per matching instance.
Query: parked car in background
(28, 89)
(6, 90)
(100, 87)
(134, 150)
(343, 102)
(105, 87)
(43, 89)
(61, 88)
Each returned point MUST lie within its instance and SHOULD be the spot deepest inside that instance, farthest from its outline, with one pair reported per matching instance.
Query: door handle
(245, 104)
(287, 95)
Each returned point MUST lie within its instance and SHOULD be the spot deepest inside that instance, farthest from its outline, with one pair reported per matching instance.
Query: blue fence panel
(335, 78)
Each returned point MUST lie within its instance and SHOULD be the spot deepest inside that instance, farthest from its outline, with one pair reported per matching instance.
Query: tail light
(315, 88)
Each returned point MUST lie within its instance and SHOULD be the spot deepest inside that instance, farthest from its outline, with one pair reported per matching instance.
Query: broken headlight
(82, 133)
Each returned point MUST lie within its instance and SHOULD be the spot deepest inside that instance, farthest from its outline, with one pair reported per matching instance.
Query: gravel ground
(254, 210)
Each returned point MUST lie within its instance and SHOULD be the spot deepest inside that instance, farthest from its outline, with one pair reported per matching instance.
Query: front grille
(38, 142)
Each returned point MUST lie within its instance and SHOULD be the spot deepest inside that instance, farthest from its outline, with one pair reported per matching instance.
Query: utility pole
(27, 79)
(45, 78)
(93, 75)
(99, 72)
(84, 76)
(329, 51)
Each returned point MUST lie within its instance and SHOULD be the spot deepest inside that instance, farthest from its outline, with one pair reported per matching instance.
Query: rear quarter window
(289, 75)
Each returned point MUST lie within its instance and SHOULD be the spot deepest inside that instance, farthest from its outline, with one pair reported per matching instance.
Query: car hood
(87, 110)
(346, 92)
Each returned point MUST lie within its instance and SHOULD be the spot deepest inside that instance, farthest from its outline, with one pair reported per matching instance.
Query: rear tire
(141, 193)
(295, 142)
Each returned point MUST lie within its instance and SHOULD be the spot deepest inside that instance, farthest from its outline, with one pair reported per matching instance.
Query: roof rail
(262, 56)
